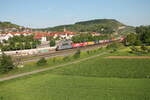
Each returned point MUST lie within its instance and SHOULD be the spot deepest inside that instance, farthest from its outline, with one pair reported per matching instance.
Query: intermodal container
(96, 42)
(101, 41)
(91, 43)
(44, 51)
(75, 45)
(85, 43)
(122, 38)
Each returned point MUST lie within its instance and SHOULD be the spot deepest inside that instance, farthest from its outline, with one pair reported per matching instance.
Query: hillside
(127, 29)
(101, 21)
(8, 25)
(105, 26)
(11, 27)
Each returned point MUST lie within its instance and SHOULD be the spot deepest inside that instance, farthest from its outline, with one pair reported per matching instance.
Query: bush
(42, 62)
(140, 51)
(52, 43)
(145, 49)
(77, 54)
(114, 46)
(94, 51)
(66, 58)
(88, 52)
(54, 60)
(137, 43)
(148, 50)
(6, 63)
(130, 39)
(99, 49)
(113, 50)
(134, 49)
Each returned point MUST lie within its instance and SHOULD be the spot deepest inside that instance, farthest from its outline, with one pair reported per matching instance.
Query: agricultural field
(100, 78)
(60, 87)
(51, 62)
(106, 67)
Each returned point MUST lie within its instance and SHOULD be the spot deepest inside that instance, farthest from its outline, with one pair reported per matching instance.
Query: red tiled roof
(67, 32)
(20, 32)
(94, 33)
(39, 35)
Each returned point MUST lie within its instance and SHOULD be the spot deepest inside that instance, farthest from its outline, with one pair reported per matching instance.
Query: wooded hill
(106, 26)
(8, 25)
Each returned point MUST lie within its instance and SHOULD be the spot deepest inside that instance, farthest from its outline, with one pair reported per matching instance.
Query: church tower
(65, 29)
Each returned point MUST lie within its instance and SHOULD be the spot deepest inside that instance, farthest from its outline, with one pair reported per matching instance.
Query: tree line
(139, 41)
(19, 43)
(88, 37)
(141, 37)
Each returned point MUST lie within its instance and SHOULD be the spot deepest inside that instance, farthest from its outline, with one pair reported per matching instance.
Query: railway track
(25, 59)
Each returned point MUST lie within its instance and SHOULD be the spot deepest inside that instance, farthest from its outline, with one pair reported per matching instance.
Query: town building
(5, 37)
(42, 36)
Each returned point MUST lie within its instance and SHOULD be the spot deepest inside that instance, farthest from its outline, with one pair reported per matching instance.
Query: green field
(55, 87)
(104, 67)
(95, 79)
(31, 66)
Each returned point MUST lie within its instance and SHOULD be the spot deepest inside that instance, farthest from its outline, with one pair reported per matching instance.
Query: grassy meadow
(105, 67)
(100, 78)
(60, 87)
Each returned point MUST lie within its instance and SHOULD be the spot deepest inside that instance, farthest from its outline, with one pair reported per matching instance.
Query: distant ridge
(106, 26)
(100, 21)
(8, 25)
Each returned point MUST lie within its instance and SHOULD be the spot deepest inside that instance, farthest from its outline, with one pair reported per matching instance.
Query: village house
(64, 35)
(61, 35)
(5, 37)
(42, 36)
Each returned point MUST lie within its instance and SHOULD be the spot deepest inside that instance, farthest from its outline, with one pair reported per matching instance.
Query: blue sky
(47, 13)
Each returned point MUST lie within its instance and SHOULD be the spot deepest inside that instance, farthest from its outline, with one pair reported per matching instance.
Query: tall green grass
(104, 67)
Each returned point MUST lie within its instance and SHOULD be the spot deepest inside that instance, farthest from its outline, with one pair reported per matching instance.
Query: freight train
(69, 45)
(63, 45)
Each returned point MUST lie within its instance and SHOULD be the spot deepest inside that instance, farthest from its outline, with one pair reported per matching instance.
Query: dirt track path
(50, 68)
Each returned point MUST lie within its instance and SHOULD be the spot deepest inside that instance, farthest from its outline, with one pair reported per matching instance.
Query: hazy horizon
(48, 13)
